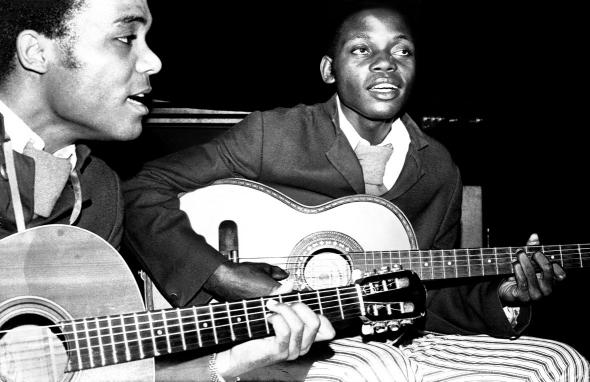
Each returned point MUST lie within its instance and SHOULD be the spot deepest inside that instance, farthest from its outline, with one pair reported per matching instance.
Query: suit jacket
(102, 200)
(302, 152)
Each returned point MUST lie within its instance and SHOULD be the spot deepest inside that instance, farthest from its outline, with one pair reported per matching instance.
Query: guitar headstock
(392, 299)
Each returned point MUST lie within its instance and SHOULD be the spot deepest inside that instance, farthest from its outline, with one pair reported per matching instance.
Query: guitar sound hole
(31, 349)
(327, 268)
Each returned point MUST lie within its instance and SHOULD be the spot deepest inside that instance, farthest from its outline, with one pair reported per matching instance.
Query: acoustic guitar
(70, 310)
(334, 243)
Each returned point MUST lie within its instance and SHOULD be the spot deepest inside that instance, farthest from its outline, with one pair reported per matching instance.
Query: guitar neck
(107, 340)
(469, 262)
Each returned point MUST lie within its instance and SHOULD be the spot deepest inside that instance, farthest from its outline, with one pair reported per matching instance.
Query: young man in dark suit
(317, 153)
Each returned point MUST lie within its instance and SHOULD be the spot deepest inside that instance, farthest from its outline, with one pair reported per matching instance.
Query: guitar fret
(318, 297)
(153, 336)
(115, 359)
(263, 304)
(100, 344)
(124, 334)
(79, 355)
(166, 333)
(197, 325)
(88, 344)
(139, 337)
(483, 268)
(248, 318)
(432, 264)
(340, 303)
(231, 326)
(181, 328)
(561, 255)
(435, 262)
(213, 324)
(580, 255)
(468, 263)
(496, 256)
(94, 336)
(462, 263)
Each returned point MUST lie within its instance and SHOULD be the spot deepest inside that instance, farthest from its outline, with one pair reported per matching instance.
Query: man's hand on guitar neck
(236, 281)
(527, 285)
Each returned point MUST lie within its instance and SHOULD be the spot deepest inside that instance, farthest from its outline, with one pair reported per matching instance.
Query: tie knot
(51, 175)
(373, 160)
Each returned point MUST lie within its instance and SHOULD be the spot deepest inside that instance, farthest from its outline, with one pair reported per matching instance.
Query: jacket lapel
(413, 169)
(343, 158)
(341, 155)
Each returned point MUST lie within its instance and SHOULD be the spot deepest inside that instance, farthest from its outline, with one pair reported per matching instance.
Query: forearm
(159, 234)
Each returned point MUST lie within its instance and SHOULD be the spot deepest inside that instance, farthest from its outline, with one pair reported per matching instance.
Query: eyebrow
(129, 19)
(366, 36)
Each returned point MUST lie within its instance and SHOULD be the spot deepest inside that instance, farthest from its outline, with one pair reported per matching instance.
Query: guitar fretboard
(108, 340)
(469, 262)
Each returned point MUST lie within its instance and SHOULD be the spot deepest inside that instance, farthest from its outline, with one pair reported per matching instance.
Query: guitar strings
(305, 297)
(108, 358)
(560, 251)
(223, 314)
(470, 252)
(133, 344)
(567, 256)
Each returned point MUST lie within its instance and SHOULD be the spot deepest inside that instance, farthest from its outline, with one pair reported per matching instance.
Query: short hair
(409, 9)
(48, 17)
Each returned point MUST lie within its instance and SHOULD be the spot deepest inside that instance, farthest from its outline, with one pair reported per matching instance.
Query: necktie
(51, 175)
(373, 160)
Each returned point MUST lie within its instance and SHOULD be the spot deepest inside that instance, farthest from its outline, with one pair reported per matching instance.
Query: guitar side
(56, 273)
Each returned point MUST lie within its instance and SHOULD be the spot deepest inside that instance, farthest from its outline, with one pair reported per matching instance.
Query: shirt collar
(397, 135)
(21, 134)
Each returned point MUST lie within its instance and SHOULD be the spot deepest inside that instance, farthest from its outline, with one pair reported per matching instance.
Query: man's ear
(31, 51)
(326, 70)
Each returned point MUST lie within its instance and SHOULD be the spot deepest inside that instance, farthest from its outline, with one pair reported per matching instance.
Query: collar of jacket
(25, 167)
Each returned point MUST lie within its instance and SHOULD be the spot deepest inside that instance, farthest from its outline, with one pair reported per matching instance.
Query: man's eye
(403, 52)
(127, 39)
(360, 51)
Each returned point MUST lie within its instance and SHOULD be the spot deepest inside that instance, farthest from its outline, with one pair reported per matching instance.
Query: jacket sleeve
(159, 234)
(466, 308)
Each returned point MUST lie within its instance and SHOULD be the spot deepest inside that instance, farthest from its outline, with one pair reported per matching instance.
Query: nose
(148, 62)
(384, 62)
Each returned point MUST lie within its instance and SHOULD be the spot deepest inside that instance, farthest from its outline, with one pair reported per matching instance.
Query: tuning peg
(393, 326)
(384, 269)
(367, 329)
(380, 327)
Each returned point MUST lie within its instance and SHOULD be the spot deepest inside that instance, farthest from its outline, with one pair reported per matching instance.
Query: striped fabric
(452, 358)
(355, 361)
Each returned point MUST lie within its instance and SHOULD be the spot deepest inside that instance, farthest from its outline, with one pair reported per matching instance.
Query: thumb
(278, 273)
(285, 287)
(533, 240)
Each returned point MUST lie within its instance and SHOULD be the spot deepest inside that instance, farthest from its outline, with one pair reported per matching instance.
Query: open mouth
(139, 99)
(384, 88)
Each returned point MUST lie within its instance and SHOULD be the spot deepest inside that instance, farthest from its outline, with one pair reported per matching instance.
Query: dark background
(518, 67)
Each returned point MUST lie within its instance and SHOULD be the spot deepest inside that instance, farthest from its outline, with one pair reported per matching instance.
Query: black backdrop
(516, 66)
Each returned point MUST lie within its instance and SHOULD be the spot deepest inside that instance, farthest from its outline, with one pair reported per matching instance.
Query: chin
(127, 134)
(384, 114)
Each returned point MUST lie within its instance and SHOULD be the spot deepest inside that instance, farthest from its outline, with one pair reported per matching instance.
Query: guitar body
(311, 242)
(58, 273)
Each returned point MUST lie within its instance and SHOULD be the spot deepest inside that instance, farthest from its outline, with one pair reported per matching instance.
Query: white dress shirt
(398, 137)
